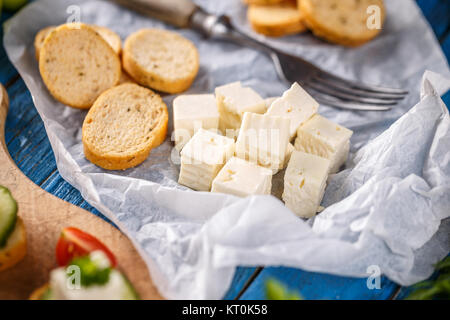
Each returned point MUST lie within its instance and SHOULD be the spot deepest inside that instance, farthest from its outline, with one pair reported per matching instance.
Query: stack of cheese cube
(235, 141)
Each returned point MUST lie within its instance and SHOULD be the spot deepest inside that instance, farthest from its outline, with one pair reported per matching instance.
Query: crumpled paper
(389, 208)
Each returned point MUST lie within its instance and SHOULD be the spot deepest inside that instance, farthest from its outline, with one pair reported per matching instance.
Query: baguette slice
(123, 125)
(110, 36)
(343, 22)
(77, 65)
(15, 248)
(276, 20)
(40, 38)
(161, 60)
(263, 2)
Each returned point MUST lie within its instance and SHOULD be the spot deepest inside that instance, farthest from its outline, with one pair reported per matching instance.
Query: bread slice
(77, 65)
(263, 2)
(161, 60)
(110, 36)
(39, 39)
(276, 20)
(343, 22)
(123, 125)
(15, 248)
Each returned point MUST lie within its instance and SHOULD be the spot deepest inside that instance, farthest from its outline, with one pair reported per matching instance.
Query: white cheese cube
(269, 101)
(290, 148)
(192, 112)
(304, 183)
(263, 140)
(242, 178)
(202, 158)
(326, 139)
(297, 105)
(233, 101)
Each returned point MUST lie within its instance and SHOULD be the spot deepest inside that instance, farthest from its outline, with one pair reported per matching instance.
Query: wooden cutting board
(44, 216)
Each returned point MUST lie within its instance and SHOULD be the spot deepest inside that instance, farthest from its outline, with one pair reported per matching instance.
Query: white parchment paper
(389, 208)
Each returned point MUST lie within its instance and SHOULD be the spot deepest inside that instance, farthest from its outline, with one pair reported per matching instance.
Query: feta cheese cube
(192, 112)
(263, 140)
(242, 178)
(304, 183)
(326, 139)
(297, 105)
(269, 101)
(233, 101)
(290, 148)
(203, 157)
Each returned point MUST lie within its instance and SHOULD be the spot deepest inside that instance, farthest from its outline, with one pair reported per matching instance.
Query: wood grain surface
(44, 216)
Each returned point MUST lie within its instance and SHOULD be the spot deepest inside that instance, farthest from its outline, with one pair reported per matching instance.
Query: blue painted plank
(446, 99)
(241, 279)
(8, 71)
(319, 286)
(445, 44)
(21, 113)
(437, 13)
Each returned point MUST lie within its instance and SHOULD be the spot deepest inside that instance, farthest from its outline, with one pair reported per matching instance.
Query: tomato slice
(76, 243)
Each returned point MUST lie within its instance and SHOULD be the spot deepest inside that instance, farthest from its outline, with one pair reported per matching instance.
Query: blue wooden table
(30, 148)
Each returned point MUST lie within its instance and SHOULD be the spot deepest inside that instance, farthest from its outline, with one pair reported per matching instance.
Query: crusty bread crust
(123, 126)
(77, 65)
(40, 38)
(341, 23)
(161, 60)
(110, 36)
(263, 2)
(16, 247)
(39, 292)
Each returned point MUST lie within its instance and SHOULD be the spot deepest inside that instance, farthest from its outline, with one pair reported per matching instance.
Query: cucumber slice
(8, 215)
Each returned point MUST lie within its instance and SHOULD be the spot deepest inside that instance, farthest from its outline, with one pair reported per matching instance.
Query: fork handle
(175, 12)
(184, 13)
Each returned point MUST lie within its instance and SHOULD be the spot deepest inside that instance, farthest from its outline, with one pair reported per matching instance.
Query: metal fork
(326, 88)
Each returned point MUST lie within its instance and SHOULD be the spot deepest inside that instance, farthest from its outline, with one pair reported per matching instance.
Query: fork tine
(322, 99)
(364, 87)
(330, 91)
(355, 91)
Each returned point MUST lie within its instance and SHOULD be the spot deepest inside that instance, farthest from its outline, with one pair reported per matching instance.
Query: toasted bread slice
(110, 36)
(39, 39)
(161, 60)
(263, 2)
(123, 125)
(276, 20)
(344, 22)
(15, 248)
(77, 65)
